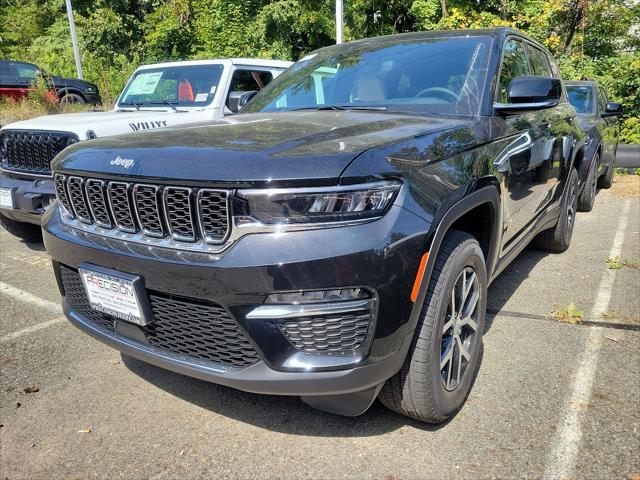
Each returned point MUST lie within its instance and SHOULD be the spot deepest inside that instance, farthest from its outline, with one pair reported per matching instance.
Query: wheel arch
(63, 91)
(484, 201)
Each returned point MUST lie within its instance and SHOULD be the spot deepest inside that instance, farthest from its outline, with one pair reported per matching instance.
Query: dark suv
(337, 240)
(17, 78)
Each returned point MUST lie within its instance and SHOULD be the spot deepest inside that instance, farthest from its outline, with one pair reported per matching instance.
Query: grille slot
(98, 202)
(75, 188)
(121, 206)
(177, 202)
(32, 151)
(337, 334)
(170, 214)
(212, 209)
(147, 206)
(182, 326)
(61, 193)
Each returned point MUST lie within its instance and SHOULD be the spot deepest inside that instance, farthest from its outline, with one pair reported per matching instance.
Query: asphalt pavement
(552, 398)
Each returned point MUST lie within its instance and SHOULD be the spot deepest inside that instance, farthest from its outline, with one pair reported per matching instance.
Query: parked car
(17, 79)
(156, 96)
(337, 240)
(598, 118)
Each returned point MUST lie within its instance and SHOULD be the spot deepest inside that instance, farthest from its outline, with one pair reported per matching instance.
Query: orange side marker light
(418, 281)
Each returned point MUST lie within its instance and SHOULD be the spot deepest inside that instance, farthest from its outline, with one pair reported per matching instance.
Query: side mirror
(613, 109)
(237, 100)
(529, 93)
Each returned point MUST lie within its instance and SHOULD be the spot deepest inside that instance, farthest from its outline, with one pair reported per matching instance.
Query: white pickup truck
(156, 96)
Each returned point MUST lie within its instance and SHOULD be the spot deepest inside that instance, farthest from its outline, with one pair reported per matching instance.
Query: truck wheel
(588, 195)
(72, 98)
(606, 180)
(446, 350)
(25, 231)
(558, 238)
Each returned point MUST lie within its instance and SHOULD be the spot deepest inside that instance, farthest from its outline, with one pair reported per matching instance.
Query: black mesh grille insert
(178, 207)
(187, 327)
(148, 207)
(32, 151)
(120, 206)
(213, 211)
(97, 202)
(327, 334)
(61, 192)
(75, 188)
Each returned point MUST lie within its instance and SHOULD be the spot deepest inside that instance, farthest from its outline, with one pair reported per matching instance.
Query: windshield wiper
(167, 102)
(135, 104)
(343, 107)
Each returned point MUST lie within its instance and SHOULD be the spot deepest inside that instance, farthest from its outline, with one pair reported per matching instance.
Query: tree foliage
(597, 39)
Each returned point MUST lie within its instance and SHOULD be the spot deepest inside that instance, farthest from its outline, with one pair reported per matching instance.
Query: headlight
(90, 90)
(319, 205)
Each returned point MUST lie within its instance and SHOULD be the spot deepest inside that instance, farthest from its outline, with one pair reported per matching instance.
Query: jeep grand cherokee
(336, 242)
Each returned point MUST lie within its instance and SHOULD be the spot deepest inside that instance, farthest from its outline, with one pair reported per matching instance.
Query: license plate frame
(7, 198)
(121, 295)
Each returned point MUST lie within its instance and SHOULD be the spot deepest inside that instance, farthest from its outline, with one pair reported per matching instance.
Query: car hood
(104, 124)
(67, 82)
(277, 148)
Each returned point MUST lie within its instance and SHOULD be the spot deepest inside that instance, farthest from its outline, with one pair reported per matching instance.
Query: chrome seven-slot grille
(184, 214)
(32, 151)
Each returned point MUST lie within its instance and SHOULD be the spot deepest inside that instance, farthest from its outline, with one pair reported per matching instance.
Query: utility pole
(74, 39)
(339, 21)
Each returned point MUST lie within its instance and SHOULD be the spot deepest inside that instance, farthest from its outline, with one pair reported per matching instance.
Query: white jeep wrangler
(156, 96)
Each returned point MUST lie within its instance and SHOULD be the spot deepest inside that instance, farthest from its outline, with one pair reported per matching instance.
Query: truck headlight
(320, 204)
(90, 90)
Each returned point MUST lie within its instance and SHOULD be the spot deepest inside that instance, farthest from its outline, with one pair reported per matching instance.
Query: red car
(16, 79)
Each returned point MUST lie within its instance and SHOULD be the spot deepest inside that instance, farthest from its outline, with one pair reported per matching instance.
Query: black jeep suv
(336, 240)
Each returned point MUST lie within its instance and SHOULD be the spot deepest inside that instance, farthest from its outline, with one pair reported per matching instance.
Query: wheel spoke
(453, 302)
(471, 306)
(460, 354)
(448, 355)
(469, 322)
(468, 286)
(447, 326)
(463, 351)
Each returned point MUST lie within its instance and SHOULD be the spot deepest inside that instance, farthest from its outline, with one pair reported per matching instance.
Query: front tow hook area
(347, 404)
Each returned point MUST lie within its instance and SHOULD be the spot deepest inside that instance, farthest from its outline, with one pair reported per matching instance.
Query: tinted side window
(245, 80)
(514, 64)
(7, 69)
(539, 63)
(26, 71)
(602, 100)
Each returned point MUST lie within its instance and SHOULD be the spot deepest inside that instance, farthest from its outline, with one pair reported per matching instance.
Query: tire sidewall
(447, 402)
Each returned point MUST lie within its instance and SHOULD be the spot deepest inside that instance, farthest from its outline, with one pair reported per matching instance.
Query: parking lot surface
(552, 398)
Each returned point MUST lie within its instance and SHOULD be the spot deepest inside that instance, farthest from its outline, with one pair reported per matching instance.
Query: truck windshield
(580, 98)
(184, 85)
(426, 75)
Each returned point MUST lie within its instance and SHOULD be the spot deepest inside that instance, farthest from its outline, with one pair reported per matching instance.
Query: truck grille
(179, 213)
(183, 326)
(32, 151)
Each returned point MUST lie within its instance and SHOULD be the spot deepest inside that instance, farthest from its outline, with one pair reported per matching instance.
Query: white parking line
(27, 297)
(563, 458)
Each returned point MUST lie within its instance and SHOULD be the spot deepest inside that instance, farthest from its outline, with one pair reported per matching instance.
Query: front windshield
(427, 75)
(184, 85)
(580, 98)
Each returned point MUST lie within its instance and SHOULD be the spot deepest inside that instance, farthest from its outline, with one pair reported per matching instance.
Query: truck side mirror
(613, 109)
(527, 93)
(237, 100)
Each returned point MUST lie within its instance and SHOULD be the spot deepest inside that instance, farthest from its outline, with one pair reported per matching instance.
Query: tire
(606, 180)
(25, 231)
(72, 98)
(588, 196)
(558, 238)
(421, 389)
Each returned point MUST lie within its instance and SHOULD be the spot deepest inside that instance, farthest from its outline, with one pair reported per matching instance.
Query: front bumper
(32, 196)
(382, 256)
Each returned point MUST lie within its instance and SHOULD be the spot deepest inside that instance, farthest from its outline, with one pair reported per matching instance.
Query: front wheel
(606, 180)
(446, 350)
(588, 195)
(72, 98)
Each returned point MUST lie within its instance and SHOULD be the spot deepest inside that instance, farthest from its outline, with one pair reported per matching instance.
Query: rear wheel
(446, 350)
(25, 231)
(558, 238)
(588, 195)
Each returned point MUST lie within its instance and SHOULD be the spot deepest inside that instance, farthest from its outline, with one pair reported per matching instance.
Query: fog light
(337, 295)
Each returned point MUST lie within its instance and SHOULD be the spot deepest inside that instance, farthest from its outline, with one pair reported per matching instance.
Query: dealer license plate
(6, 198)
(116, 295)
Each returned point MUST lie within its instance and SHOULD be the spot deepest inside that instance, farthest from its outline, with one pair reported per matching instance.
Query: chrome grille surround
(164, 215)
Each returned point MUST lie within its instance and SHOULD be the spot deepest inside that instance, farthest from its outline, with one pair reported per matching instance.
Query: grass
(569, 314)
(614, 263)
(627, 171)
